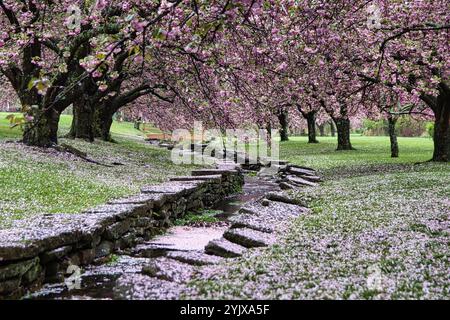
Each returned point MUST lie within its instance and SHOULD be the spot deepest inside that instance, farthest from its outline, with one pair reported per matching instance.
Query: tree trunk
(441, 136)
(284, 122)
(332, 128)
(311, 120)
(343, 131)
(103, 123)
(393, 136)
(43, 130)
(83, 120)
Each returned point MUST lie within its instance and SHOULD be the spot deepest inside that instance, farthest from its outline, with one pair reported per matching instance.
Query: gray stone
(281, 197)
(194, 258)
(208, 172)
(216, 177)
(300, 181)
(173, 187)
(9, 286)
(249, 238)
(301, 170)
(114, 231)
(168, 269)
(224, 248)
(86, 256)
(104, 249)
(33, 274)
(251, 221)
(118, 211)
(55, 254)
(17, 269)
(286, 186)
(312, 178)
(140, 199)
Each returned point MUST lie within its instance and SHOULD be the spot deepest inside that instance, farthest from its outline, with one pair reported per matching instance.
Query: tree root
(80, 154)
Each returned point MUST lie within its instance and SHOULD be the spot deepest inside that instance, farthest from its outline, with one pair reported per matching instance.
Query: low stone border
(40, 249)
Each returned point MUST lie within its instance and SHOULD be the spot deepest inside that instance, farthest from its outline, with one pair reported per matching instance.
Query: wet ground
(99, 281)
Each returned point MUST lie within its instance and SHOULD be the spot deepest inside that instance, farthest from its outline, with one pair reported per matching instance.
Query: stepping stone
(168, 269)
(276, 213)
(195, 258)
(249, 238)
(217, 177)
(281, 197)
(311, 178)
(301, 171)
(208, 172)
(249, 221)
(301, 181)
(287, 186)
(224, 248)
(172, 187)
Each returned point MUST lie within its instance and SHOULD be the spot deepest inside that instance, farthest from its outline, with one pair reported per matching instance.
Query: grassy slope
(118, 128)
(372, 216)
(37, 181)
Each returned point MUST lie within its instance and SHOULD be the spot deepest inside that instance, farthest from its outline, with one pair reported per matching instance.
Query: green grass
(36, 181)
(372, 218)
(369, 151)
(118, 129)
(193, 218)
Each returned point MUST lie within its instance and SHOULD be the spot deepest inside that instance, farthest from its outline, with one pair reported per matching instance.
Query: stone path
(164, 275)
(257, 224)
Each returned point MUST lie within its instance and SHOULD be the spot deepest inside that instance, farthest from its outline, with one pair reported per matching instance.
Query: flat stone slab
(208, 172)
(224, 248)
(139, 199)
(195, 258)
(118, 211)
(17, 269)
(251, 221)
(216, 177)
(311, 178)
(281, 197)
(287, 186)
(301, 170)
(301, 181)
(249, 238)
(143, 287)
(275, 212)
(172, 187)
(168, 269)
(43, 233)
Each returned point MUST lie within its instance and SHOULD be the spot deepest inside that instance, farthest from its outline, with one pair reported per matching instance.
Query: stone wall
(40, 250)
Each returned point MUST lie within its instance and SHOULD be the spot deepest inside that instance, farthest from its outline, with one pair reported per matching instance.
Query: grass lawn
(380, 229)
(117, 129)
(369, 151)
(36, 181)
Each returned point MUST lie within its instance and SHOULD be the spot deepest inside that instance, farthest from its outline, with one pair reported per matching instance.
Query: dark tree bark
(43, 131)
(284, 123)
(83, 120)
(343, 132)
(442, 126)
(392, 120)
(103, 123)
(311, 120)
(441, 109)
